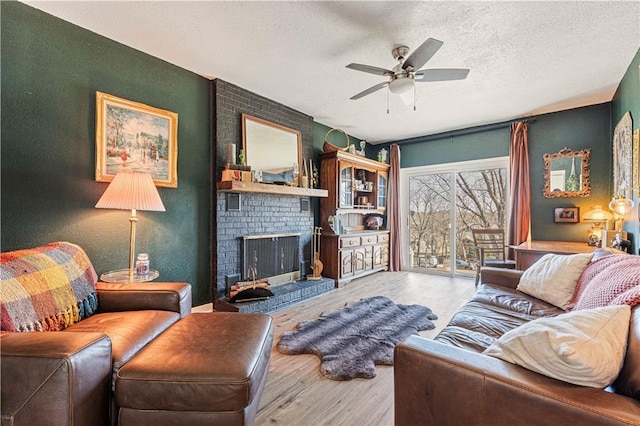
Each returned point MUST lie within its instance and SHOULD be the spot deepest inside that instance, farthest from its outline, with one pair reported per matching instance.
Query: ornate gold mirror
(566, 173)
(272, 149)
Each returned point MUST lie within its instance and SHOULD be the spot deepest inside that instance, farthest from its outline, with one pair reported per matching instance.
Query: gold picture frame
(131, 136)
(564, 163)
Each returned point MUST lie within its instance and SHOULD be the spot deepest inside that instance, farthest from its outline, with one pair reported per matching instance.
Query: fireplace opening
(280, 269)
(273, 257)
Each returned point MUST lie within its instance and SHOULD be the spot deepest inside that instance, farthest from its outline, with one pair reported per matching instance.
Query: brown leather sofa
(448, 381)
(141, 358)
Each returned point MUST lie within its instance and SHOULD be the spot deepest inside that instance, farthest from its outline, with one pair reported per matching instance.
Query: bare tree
(480, 200)
(115, 124)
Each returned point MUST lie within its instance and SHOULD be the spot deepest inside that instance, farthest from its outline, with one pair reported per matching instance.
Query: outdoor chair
(490, 250)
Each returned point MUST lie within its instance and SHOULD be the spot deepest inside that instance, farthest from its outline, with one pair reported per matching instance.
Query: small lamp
(596, 216)
(620, 206)
(131, 191)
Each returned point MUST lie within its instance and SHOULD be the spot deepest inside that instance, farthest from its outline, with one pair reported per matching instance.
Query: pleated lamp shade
(131, 191)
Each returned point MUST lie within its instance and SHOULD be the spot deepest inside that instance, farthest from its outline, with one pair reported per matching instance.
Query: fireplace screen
(276, 257)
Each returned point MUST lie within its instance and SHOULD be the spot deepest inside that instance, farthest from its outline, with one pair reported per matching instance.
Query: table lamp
(131, 191)
(620, 206)
(596, 216)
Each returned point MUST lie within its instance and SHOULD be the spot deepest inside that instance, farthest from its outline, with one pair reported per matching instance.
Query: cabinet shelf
(264, 188)
(360, 210)
(357, 187)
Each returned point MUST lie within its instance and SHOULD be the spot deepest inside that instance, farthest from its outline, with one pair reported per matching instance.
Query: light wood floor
(297, 394)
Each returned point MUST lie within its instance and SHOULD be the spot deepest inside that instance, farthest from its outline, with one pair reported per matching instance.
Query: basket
(329, 147)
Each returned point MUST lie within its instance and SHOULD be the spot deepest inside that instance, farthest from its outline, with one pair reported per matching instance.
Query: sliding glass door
(430, 221)
(442, 204)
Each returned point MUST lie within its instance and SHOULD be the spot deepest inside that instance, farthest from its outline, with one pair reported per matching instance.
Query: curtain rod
(461, 132)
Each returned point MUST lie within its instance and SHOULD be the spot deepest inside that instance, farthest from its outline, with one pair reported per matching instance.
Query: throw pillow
(612, 280)
(585, 348)
(553, 277)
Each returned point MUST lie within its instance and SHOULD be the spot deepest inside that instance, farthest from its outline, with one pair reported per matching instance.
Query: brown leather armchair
(77, 352)
(66, 377)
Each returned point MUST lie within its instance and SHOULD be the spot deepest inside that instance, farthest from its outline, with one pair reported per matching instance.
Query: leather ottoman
(208, 368)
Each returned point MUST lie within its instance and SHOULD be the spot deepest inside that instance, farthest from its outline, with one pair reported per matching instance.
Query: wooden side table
(528, 253)
(122, 276)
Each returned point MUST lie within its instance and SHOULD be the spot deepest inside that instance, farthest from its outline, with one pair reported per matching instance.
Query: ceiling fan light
(401, 85)
(407, 97)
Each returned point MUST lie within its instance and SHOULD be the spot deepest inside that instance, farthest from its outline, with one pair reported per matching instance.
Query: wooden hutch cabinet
(357, 188)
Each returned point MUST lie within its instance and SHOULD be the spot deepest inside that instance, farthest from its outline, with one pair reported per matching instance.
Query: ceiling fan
(403, 76)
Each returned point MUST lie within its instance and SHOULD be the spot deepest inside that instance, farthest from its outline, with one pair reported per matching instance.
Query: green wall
(577, 129)
(50, 73)
(627, 98)
(336, 138)
(453, 147)
(580, 128)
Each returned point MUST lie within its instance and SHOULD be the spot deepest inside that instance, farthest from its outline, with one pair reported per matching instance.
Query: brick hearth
(284, 296)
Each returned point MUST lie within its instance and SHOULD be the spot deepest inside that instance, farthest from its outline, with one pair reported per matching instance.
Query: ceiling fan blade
(422, 54)
(370, 90)
(370, 69)
(441, 74)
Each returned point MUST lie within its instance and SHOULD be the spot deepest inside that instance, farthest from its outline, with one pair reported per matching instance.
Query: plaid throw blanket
(46, 288)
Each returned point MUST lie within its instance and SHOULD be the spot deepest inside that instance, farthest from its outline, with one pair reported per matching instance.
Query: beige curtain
(520, 216)
(393, 212)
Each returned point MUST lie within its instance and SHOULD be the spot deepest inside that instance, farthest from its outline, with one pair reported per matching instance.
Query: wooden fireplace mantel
(264, 188)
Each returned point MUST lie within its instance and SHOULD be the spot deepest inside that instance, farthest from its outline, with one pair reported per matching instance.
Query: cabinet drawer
(349, 242)
(369, 239)
(382, 238)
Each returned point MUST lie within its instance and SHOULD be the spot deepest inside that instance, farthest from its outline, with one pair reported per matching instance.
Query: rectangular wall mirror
(273, 149)
(566, 173)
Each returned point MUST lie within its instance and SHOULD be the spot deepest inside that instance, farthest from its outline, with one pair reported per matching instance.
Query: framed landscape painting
(131, 136)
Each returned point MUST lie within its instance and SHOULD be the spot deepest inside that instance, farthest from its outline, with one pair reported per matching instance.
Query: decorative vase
(382, 155)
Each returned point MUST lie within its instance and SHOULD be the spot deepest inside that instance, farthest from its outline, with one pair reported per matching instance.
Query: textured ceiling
(525, 58)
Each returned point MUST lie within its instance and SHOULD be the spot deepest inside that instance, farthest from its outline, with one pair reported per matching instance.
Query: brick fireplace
(263, 214)
(258, 213)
